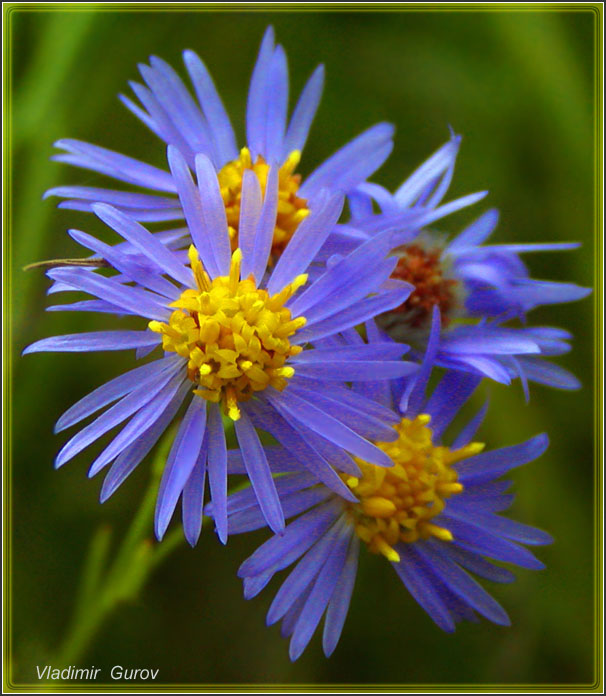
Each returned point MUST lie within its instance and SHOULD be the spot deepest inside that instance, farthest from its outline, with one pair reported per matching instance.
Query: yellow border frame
(8, 10)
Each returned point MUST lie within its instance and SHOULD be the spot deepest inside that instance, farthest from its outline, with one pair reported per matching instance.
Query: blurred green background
(518, 85)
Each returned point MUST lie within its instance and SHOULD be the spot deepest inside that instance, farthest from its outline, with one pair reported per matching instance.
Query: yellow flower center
(291, 208)
(234, 335)
(398, 504)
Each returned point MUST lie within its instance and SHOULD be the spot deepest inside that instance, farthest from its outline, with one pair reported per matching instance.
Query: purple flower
(240, 341)
(434, 515)
(203, 127)
(478, 288)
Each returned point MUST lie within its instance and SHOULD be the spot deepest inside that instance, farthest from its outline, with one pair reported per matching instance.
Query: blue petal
(110, 391)
(490, 465)
(378, 351)
(259, 472)
(217, 469)
(257, 96)
(304, 112)
(339, 602)
(289, 621)
(502, 526)
(547, 373)
(176, 101)
(181, 461)
(470, 503)
(356, 314)
(285, 485)
(212, 106)
(252, 518)
(119, 412)
(539, 292)
(388, 204)
(193, 498)
(99, 306)
(213, 213)
(428, 173)
(356, 370)
(360, 202)
(362, 423)
(265, 227)
(304, 573)
(466, 435)
(339, 279)
(482, 365)
(414, 391)
(522, 248)
(133, 455)
(276, 106)
(488, 340)
(474, 234)
(353, 163)
(136, 214)
(414, 575)
(133, 299)
(128, 265)
(94, 340)
(306, 242)
(377, 391)
(302, 444)
(115, 198)
(476, 564)
(280, 461)
(280, 551)
(113, 164)
(323, 589)
(328, 427)
(142, 115)
(250, 211)
(417, 218)
(252, 586)
(146, 242)
(164, 125)
(342, 297)
(550, 340)
(189, 195)
(473, 538)
(137, 425)
(462, 584)
(451, 393)
(330, 454)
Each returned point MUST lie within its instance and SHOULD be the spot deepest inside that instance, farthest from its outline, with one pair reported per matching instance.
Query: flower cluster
(270, 310)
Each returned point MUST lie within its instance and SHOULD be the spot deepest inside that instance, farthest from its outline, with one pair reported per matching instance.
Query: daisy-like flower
(416, 204)
(236, 342)
(477, 287)
(203, 127)
(433, 515)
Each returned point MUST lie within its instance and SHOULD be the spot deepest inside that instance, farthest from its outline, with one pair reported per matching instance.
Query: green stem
(105, 585)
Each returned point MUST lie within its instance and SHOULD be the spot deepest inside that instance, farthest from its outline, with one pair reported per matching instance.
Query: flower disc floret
(422, 263)
(234, 335)
(291, 209)
(398, 504)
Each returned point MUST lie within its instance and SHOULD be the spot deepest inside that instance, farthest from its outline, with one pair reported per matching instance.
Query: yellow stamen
(398, 504)
(235, 336)
(291, 209)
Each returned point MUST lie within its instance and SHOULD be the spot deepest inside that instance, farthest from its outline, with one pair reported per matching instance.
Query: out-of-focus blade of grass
(93, 568)
(39, 93)
(540, 47)
(63, 39)
(103, 588)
